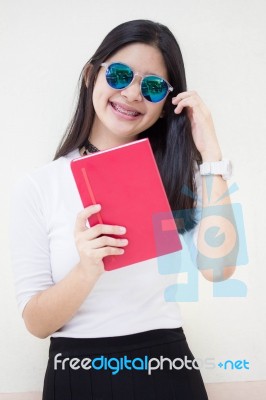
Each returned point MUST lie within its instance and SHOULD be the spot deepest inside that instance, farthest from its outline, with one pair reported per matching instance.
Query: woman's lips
(126, 112)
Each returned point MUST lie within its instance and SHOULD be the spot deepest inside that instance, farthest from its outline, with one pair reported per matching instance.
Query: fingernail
(97, 206)
(122, 229)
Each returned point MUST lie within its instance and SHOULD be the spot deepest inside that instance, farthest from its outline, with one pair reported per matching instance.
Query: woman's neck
(103, 138)
(106, 141)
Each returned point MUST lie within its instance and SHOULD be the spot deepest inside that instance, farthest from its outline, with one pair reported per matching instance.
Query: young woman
(134, 86)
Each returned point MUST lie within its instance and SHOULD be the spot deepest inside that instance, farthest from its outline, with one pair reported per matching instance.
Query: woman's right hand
(93, 244)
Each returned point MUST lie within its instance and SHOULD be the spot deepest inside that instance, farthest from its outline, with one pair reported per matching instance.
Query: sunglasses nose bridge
(133, 90)
(137, 75)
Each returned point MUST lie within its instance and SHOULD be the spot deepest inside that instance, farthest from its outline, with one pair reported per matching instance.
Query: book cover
(126, 181)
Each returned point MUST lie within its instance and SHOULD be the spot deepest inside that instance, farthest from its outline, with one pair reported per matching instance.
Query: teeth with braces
(123, 111)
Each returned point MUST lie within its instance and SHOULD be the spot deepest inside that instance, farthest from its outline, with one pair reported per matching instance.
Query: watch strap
(223, 168)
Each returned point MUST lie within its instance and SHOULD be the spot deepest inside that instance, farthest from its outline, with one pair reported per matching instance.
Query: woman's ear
(87, 73)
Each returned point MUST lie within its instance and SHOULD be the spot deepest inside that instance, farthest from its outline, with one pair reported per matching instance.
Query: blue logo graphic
(234, 365)
(215, 253)
(213, 238)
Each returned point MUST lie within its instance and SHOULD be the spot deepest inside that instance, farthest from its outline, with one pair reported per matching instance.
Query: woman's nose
(132, 92)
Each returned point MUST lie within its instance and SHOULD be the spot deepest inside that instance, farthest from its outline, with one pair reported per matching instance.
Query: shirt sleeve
(30, 255)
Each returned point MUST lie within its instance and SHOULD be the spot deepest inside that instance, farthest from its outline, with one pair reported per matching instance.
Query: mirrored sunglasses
(153, 88)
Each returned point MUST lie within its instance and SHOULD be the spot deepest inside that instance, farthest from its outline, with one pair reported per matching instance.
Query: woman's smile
(124, 111)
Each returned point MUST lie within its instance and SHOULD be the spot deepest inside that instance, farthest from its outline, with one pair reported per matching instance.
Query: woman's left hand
(203, 130)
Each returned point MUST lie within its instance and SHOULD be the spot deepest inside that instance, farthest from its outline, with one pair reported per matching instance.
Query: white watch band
(223, 168)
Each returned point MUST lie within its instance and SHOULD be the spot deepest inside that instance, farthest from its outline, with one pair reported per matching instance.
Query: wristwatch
(223, 167)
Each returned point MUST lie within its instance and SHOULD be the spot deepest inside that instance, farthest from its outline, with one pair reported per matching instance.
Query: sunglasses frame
(170, 88)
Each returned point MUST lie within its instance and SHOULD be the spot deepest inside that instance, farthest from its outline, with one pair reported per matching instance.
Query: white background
(44, 45)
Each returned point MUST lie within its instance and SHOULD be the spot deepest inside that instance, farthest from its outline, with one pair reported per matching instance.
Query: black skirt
(156, 364)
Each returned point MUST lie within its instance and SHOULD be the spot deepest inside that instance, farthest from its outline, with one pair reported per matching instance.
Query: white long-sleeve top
(128, 300)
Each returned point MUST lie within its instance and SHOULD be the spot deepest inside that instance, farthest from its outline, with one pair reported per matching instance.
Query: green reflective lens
(154, 88)
(119, 75)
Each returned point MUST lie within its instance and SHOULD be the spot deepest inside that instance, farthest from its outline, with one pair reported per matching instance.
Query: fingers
(94, 243)
(109, 251)
(184, 95)
(95, 237)
(93, 256)
(83, 216)
(108, 242)
(186, 99)
(101, 229)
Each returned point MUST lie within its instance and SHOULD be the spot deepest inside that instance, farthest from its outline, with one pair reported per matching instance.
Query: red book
(126, 181)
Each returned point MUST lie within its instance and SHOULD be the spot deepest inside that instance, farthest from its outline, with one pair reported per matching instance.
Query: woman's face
(125, 113)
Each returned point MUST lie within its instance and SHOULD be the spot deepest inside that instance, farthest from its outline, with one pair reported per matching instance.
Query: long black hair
(170, 137)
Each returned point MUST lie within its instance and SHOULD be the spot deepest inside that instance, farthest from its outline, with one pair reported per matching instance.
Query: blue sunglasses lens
(153, 88)
(119, 76)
